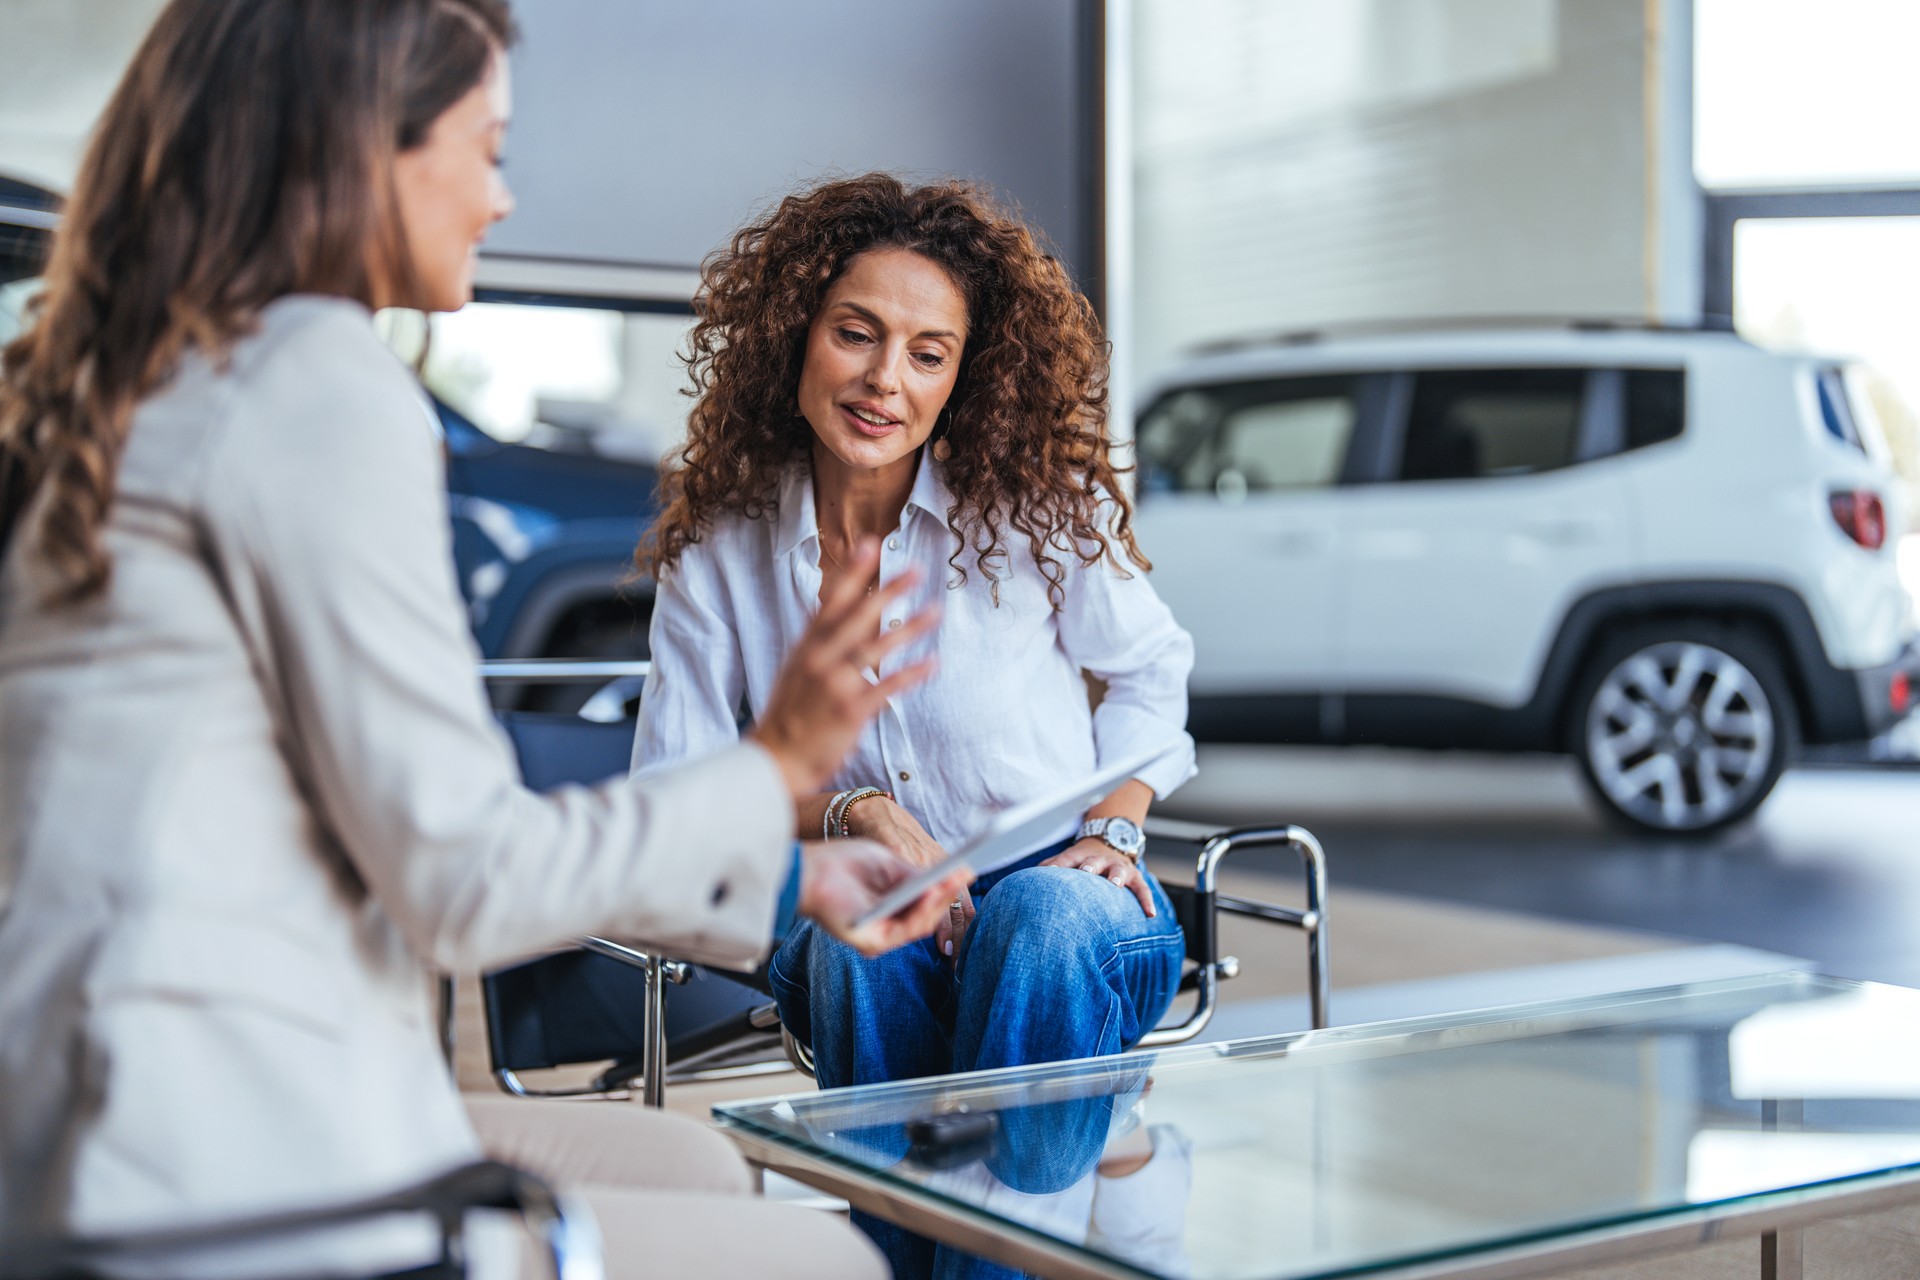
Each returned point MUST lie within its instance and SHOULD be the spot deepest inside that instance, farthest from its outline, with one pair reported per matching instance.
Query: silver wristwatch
(1123, 835)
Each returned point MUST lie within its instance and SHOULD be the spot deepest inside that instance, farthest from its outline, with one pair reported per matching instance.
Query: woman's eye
(930, 359)
(852, 335)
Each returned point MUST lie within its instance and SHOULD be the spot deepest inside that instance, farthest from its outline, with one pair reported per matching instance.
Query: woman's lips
(865, 428)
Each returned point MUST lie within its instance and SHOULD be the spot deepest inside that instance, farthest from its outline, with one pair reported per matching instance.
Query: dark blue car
(543, 543)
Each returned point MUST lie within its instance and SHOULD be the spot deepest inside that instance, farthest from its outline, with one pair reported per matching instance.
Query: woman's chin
(871, 453)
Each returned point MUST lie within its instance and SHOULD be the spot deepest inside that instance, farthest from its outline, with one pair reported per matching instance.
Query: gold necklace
(835, 561)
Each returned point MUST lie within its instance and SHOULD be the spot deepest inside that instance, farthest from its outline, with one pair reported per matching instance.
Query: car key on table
(952, 1138)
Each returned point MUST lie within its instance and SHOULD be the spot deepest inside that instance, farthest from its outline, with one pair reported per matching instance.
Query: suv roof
(1507, 344)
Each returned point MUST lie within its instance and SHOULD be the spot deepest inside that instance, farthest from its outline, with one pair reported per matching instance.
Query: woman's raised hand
(823, 697)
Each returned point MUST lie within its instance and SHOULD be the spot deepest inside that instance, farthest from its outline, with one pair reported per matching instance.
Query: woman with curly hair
(877, 361)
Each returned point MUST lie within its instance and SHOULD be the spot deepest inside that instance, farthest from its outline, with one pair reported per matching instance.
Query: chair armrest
(1215, 846)
(565, 1226)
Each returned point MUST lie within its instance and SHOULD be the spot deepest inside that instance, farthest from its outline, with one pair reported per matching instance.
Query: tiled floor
(1829, 869)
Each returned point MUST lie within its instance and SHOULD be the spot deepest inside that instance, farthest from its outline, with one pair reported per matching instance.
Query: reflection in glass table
(1499, 1142)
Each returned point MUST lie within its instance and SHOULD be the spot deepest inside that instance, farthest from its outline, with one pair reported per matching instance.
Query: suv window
(1287, 433)
(1492, 422)
(1835, 410)
(1656, 406)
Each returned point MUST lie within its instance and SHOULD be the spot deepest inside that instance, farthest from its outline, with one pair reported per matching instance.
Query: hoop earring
(943, 447)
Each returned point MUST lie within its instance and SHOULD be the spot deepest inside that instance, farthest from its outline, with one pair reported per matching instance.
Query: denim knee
(1049, 909)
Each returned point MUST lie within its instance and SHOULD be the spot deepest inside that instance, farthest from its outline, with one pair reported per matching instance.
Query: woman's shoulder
(314, 385)
(308, 327)
(735, 537)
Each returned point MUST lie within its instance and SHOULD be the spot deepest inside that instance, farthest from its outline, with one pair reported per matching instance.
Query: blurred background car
(1665, 552)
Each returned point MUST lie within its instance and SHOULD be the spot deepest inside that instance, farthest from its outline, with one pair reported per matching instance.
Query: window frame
(1601, 431)
(1370, 404)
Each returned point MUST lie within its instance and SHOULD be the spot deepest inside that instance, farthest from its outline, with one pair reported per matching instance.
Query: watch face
(1123, 835)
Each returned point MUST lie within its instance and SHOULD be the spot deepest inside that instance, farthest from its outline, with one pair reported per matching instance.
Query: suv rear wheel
(1683, 727)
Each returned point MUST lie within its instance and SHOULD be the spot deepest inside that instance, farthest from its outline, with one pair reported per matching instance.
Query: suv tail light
(1861, 516)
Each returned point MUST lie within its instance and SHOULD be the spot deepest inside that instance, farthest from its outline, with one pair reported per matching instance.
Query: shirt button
(892, 623)
(905, 776)
(893, 543)
(720, 892)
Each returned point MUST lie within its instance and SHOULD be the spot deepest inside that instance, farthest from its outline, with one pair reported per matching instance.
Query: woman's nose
(883, 373)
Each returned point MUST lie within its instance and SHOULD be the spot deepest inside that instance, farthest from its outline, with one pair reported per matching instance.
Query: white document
(1012, 834)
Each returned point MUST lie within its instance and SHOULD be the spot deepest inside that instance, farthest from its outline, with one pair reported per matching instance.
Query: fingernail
(949, 946)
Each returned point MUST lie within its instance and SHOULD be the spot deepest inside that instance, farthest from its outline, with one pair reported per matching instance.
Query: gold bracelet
(853, 798)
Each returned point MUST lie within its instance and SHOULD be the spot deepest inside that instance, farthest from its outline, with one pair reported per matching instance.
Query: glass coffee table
(1503, 1142)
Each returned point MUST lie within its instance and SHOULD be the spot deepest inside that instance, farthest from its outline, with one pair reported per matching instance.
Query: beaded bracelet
(830, 821)
(864, 793)
(835, 821)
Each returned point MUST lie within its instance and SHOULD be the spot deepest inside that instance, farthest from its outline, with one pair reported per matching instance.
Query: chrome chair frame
(563, 1224)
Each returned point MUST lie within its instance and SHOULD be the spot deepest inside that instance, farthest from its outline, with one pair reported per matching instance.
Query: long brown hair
(245, 155)
(1026, 422)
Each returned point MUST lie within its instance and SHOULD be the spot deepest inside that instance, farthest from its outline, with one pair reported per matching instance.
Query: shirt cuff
(1120, 731)
(787, 914)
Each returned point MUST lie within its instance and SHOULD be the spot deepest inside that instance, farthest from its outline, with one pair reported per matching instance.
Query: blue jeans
(1058, 964)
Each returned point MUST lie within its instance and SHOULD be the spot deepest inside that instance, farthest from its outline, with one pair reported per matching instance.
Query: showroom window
(568, 377)
(1492, 422)
(1248, 438)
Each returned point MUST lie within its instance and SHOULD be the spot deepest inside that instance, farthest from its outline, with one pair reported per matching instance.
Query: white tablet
(1013, 833)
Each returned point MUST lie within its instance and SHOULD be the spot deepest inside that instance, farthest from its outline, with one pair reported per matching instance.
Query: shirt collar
(799, 524)
(930, 488)
(796, 519)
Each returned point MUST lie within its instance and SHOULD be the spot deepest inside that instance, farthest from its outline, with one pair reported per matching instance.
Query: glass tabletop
(1341, 1152)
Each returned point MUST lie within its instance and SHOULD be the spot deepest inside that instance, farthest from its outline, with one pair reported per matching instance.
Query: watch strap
(1096, 829)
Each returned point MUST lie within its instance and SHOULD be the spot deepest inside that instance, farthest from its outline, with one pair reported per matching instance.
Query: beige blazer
(253, 797)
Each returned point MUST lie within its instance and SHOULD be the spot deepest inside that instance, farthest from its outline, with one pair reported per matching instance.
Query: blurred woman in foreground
(252, 794)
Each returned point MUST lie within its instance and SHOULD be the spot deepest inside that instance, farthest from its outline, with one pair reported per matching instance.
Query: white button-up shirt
(1005, 718)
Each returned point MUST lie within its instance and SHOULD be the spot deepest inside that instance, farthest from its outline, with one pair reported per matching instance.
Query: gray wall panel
(646, 132)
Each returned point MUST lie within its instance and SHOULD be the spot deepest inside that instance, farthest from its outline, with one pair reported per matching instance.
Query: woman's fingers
(878, 647)
(903, 680)
(1139, 886)
(848, 617)
(848, 593)
(916, 921)
(1116, 869)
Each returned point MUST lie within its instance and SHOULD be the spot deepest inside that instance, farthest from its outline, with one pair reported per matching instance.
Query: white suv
(1668, 553)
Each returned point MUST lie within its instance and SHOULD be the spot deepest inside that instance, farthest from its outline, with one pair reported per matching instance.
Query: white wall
(59, 61)
(1300, 164)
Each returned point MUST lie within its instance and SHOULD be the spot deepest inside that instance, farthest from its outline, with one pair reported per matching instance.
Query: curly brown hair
(1026, 421)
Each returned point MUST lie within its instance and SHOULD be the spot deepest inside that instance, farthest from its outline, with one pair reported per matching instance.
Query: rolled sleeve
(1115, 626)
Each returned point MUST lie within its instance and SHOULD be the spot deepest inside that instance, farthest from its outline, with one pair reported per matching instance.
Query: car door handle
(1565, 533)
(1297, 542)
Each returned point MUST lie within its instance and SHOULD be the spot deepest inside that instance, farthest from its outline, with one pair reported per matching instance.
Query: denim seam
(1117, 952)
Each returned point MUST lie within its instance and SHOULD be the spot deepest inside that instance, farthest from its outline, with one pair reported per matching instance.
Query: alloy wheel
(1679, 735)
